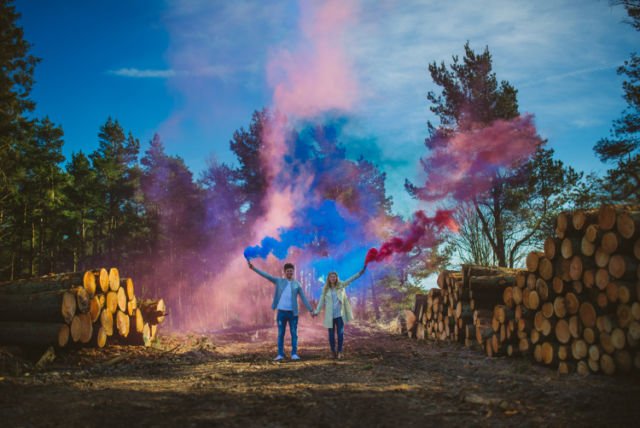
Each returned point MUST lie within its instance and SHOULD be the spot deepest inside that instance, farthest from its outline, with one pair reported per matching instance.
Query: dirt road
(228, 379)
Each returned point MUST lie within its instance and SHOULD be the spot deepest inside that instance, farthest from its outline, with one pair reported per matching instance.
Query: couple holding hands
(333, 298)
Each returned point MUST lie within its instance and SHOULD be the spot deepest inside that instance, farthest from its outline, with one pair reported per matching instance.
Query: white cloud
(138, 73)
(205, 71)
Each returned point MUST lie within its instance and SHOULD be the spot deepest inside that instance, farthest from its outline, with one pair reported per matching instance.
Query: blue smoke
(320, 229)
(329, 225)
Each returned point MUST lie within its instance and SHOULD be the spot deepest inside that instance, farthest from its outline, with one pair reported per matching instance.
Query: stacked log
(576, 307)
(460, 309)
(584, 321)
(87, 308)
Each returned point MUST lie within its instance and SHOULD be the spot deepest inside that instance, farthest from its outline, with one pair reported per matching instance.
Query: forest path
(229, 379)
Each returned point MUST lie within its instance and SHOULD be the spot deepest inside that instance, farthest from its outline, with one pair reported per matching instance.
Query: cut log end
(114, 279)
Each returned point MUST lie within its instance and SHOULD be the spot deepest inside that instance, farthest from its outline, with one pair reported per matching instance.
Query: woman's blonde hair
(326, 284)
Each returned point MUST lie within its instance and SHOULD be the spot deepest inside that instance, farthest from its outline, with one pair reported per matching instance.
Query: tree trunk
(551, 246)
(34, 333)
(154, 311)
(95, 307)
(533, 260)
(122, 323)
(581, 219)
(62, 281)
(623, 267)
(607, 217)
(627, 224)
(587, 314)
(51, 306)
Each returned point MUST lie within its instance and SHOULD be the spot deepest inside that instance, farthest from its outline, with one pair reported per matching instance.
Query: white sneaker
(295, 357)
(279, 358)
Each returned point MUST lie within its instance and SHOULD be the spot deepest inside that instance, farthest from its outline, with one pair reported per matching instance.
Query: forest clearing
(177, 190)
(228, 379)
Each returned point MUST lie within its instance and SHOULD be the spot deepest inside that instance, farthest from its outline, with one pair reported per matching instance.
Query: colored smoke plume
(421, 229)
(324, 225)
(316, 77)
(464, 165)
(308, 81)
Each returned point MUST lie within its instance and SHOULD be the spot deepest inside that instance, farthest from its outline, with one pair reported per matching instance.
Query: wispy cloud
(574, 73)
(143, 73)
(208, 71)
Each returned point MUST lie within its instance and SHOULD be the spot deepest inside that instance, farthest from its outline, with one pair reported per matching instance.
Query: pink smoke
(317, 76)
(312, 78)
(421, 228)
(464, 165)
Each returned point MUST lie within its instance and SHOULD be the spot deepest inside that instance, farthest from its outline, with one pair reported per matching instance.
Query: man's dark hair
(289, 266)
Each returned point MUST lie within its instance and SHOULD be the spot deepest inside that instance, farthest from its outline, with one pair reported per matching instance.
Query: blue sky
(194, 71)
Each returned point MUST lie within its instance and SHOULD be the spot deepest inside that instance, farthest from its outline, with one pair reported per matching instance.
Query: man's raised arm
(261, 273)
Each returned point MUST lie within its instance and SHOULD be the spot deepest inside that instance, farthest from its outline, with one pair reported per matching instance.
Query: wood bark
(153, 311)
(56, 282)
(34, 333)
(50, 306)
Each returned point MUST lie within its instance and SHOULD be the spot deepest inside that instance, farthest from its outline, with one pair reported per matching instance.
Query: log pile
(576, 307)
(86, 308)
(460, 309)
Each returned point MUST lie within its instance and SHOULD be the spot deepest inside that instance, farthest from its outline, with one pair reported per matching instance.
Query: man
(285, 300)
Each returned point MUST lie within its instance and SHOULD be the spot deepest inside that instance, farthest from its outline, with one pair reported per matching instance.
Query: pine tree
(16, 80)
(517, 208)
(622, 182)
(251, 175)
(117, 179)
(174, 208)
(80, 213)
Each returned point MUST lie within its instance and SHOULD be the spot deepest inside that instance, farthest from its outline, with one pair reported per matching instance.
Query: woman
(337, 308)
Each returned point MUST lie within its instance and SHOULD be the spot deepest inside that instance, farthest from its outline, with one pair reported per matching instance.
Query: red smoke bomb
(420, 226)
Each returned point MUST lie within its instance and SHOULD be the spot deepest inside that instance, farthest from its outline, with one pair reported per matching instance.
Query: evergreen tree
(117, 179)
(516, 210)
(35, 206)
(16, 79)
(223, 204)
(251, 175)
(622, 182)
(80, 213)
(174, 206)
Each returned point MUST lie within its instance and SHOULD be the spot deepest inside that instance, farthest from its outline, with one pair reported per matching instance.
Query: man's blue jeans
(338, 325)
(283, 318)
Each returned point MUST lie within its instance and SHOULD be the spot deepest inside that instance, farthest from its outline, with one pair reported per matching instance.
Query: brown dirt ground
(228, 379)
